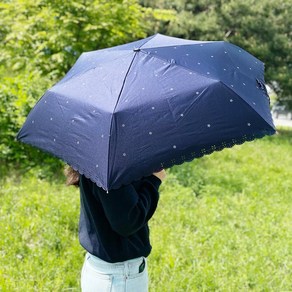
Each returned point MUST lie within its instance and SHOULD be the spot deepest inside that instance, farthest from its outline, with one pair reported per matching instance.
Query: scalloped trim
(204, 151)
(175, 161)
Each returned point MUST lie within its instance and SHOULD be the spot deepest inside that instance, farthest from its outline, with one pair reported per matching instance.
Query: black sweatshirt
(113, 226)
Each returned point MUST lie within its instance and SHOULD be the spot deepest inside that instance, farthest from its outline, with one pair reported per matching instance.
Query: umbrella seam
(178, 65)
(158, 57)
(232, 61)
(78, 74)
(245, 102)
(149, 39)
(111, 124)
(180, 45)
(224, 42)
(178, 39)
(250, 55)
(81, 73)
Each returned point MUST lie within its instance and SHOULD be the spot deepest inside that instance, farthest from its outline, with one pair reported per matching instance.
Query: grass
(223, 224)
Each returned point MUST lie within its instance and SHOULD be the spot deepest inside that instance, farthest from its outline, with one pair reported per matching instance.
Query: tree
(49, 35)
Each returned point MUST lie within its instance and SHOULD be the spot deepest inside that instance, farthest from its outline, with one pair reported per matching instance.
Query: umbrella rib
(224, 43)
(149, 39)
(243, 100)
(180, 45)
(190, 42)
(111, 125)
(232, 61)
(188, 69)
(185, 68)
(76, 75)
(124, 81)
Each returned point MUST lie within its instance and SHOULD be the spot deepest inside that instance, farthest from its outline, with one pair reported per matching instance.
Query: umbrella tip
(136, 49)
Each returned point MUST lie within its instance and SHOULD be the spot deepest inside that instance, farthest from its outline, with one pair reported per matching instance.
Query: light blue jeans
(100, 276)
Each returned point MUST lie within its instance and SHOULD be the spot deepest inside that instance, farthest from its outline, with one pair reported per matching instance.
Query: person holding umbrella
(113, 229)
(122, 114)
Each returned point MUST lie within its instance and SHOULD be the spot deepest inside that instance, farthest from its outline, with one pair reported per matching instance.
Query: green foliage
(39, 41)
(262, 27)
(223, 223)
(50, 35)
(17, 96)
(40, 247)
(157, 19)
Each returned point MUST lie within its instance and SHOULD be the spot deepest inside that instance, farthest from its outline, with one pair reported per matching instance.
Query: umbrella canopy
(125, 112)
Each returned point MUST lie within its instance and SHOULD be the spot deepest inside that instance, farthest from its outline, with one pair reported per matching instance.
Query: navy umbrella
(125, 112)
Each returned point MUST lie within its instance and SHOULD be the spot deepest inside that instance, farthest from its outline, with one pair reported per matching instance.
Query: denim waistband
(127, 267)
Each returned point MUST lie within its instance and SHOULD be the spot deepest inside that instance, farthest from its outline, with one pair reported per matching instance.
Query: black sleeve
(128, 210)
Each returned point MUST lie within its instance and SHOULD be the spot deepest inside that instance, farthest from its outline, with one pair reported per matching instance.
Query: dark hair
(72, 176)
